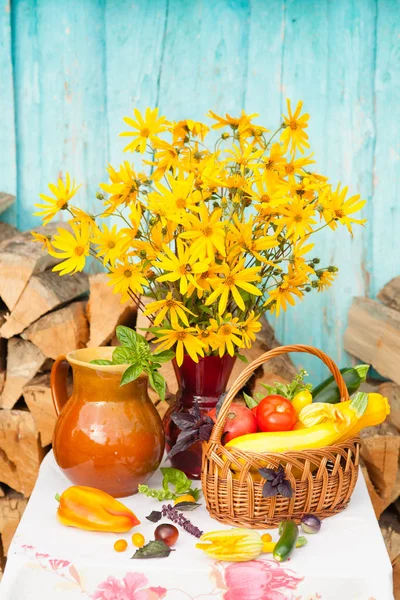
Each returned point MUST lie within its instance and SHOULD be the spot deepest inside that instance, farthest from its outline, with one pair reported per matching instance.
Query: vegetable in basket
(328, 391)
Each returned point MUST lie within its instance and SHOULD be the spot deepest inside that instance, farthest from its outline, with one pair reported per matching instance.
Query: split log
(390, 528)
(6, 200)
(376, 500)
(7, 232)
(38, 398)
(392, 393)
(20, 258)
(3, 351)
(20, 451)
(373, 336)
(61, 331)
(390, 294)
(380, 451)
(24, 360)
(105, 311)
(12, 507)
(43, 293)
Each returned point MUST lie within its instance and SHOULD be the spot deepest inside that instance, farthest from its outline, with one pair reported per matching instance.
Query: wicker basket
(322, 480)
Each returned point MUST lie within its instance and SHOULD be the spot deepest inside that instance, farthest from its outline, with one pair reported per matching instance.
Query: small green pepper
(289, 533)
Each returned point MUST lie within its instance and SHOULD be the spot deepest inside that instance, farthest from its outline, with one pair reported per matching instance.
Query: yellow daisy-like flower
(294, 167)
(337, 209)
(170, 306)
(208, 335)
(298, 218)
(73, 248)
(166, 158)
(63, 192)
(297, 260)
(233, 122)
(203, 281)
(249, 328)
(325, 280)
(185, 339)
(126, 277)
(245, 156)
(45, 240)
(176, 201)
(286, 292)
(207, 231)
(182, 129)
(80, 216)
(294, 133)
(124, 187)
(110, 244)
(181, 266)
(244, 239)
(234, 278)
(227, 334)
(145, 129)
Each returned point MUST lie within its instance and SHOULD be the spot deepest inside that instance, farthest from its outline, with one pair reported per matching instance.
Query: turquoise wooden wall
(70, 69)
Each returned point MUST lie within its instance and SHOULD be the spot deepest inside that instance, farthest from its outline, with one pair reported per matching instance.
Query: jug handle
(58, 383)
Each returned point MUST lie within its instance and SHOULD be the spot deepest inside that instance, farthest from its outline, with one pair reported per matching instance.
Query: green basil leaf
(165, 356)
(176, 478)
(205, 309)
(158, 383)
(250, 402)
(130, 374)
(128, 337)
(101, 361)
(195, 492)
(242, 357)
(155, 549)
(123, 356)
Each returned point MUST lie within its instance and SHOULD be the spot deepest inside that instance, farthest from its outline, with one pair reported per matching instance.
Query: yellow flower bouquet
(216, 234)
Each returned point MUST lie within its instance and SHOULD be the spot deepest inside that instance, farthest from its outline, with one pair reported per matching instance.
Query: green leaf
(206, 309)
(195, 492)
(359, 403)
(165, 356)
(155, 549)
(158, 383)
(128, 337)
(101, 361)
(242, 358)
(362, 371)
(176, 478)
(130, 374)
(184, 506)
(250, 402)
(123, 356)
(301, 541)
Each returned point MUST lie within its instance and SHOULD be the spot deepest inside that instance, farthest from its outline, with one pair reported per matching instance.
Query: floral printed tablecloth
(347, 560)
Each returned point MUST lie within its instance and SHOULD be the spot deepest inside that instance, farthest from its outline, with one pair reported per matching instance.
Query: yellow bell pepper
(94, 510)
(301, 399)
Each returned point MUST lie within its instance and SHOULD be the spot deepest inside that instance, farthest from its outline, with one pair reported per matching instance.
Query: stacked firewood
(43, 315)
(373, 336)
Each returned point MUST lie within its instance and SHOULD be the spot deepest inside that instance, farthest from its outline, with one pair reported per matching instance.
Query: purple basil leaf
(269, 490)
(183, 443)
(183, 420)
(285, 489)
(205, 432)
(223, 436)
(268, 474)
(195, 411)
(154, 516)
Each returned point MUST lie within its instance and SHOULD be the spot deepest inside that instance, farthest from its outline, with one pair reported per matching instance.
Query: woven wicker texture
(322, 480)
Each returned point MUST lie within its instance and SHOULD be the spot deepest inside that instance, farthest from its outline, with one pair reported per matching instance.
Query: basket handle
(248, 371)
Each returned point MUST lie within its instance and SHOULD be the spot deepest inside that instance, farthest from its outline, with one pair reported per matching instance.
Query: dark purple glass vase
(203, 383)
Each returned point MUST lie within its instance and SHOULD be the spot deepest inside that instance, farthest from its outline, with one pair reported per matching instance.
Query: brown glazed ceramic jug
(108, 437)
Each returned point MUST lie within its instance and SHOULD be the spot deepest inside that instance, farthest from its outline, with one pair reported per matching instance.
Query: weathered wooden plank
(8, 165)
(334, 74)
(60, 98)
(390, 294)
(373, 335)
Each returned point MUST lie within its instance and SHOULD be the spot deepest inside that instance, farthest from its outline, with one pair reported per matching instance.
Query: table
(347, 560)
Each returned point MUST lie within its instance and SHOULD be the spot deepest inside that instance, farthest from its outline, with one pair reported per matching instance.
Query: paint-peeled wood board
(105, 311)
(37, 396)
(12, 508)
(24, 360)
(44, 292)
(373, 336)
(392, 393)
(390, 294)
(61, 331)
(20, 258)
(20, 451)
(6, 200)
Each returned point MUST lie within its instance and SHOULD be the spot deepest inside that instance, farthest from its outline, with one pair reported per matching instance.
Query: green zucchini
(328, 391)
(288, 532)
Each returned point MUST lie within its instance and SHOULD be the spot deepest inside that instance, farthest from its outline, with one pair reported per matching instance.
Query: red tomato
(240, 421)
(276, 413)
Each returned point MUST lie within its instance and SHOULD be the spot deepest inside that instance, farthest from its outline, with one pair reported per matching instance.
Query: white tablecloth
(347, 560)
